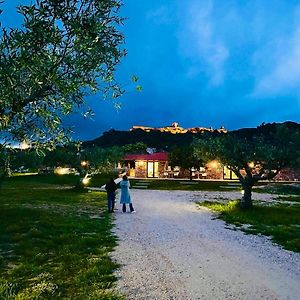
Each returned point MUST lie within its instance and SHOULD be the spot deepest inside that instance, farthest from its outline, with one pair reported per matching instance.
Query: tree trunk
(2, 177)
(5, 172)
(7, 169)
(191, 174)
(246, 201)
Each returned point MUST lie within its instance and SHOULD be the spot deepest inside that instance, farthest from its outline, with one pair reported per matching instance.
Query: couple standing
(111, 188)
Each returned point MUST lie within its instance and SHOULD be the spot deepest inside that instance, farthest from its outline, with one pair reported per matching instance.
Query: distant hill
(155, 139)
(166, 140)
(265, 128)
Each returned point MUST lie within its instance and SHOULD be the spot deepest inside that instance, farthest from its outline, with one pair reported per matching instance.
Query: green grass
(294, 199)
(165, 184)
(221, 186)
(54, 244)
(281, 223)
(280, 189)
(35, 181)
(41, 180)
(101, 179)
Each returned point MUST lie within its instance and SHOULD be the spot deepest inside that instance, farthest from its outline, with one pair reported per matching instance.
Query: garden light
(85, 180)
(84, 163)
(213, 164)
(251, 164)
(61, 171)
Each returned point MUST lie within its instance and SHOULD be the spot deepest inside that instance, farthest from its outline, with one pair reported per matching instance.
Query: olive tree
(254, 154)
(104, 160)
(186, 158)
(64, 51)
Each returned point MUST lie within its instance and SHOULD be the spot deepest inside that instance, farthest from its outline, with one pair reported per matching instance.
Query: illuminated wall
(141, 168)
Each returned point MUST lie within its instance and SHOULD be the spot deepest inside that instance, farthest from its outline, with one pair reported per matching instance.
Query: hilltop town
(175, 128)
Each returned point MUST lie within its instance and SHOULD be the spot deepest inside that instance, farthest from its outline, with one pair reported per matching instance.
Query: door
(152, 169)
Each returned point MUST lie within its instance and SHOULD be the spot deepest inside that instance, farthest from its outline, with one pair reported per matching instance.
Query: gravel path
(170, 249)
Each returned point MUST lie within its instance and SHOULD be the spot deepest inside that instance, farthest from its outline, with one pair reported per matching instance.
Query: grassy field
(280, 189)
(221, 186)
(50, 180)
(280, 222)
(54, 242)
(186, 185)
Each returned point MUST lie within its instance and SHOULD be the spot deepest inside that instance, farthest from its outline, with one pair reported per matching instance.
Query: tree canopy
(64, 51)
(253, 155)
(186, 158)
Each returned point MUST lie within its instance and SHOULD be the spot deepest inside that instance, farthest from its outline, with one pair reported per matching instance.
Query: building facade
(146, 165)
(156, 165)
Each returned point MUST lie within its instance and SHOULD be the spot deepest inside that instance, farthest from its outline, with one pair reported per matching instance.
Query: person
(125, 195)
(111, 188)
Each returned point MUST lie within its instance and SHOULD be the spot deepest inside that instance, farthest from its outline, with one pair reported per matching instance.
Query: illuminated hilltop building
(175, 128)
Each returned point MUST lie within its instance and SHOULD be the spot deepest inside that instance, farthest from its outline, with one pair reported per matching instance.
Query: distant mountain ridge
(166, 139)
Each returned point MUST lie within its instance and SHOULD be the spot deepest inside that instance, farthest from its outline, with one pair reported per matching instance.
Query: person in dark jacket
(111, 188)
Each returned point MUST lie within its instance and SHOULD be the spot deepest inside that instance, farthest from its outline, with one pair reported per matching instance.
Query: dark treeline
(167, 140)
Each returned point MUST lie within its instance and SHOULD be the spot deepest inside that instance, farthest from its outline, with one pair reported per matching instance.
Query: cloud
(280, 61)
(199, 41)
(160, 15)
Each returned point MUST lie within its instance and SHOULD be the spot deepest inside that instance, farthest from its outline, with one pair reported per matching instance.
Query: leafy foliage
(104, 159)
(253, 155)
(100, 160)
(185, 158)
(26, 159)
(64, 51)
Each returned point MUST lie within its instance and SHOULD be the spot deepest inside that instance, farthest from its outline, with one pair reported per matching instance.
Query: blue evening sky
(203, 63)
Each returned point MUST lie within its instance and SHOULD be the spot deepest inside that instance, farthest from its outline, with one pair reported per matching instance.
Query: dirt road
(170, 249)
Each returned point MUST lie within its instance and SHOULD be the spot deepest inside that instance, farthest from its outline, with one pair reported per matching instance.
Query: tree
(185, 158)
(64, 51)
(102, 159)
(254, 154)
(27, 159)
(62, 156)
(138, 147)
(5, 168)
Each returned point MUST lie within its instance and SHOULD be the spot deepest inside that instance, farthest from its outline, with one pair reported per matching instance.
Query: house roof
(159, 156)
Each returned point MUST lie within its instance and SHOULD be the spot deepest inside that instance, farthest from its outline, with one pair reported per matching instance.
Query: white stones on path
(170, 249)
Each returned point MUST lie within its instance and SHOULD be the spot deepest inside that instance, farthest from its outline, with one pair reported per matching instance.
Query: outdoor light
(85, 180)
(251, 164)
(24, 145)
(84, 163)
(61, 171)
(213, 164)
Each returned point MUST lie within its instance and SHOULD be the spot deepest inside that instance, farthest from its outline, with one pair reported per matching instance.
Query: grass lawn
(279, 188)
(220, 186)
(54, 243)
(289, 198)
(280, 222)
(186, 185)
(40, 180)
